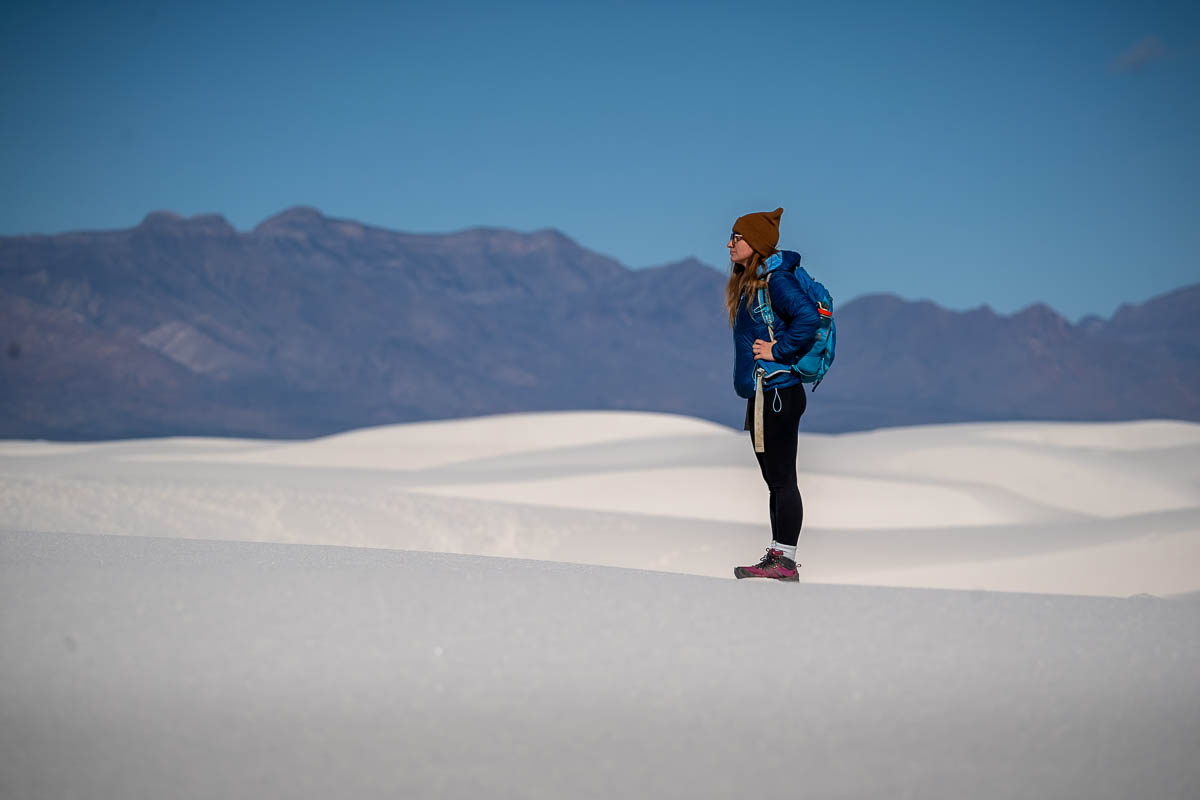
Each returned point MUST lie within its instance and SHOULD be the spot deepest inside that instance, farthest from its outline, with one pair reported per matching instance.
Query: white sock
(789, 550)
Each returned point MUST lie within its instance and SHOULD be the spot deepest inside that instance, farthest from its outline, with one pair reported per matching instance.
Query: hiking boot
(773, 565)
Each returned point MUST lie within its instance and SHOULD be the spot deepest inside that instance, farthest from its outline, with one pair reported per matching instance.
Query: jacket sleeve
(798, 316)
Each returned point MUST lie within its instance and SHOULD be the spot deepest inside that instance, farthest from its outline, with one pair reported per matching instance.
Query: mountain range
(308, 325)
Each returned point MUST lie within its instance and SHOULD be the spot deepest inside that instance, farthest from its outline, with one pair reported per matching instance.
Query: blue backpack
(813, 365)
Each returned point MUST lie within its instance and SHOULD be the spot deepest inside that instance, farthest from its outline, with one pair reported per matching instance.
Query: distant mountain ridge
(308, 325)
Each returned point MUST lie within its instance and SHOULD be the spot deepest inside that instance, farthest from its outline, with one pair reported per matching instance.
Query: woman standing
(775, 397)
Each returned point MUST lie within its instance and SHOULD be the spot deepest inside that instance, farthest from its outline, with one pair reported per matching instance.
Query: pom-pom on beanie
(760, 230)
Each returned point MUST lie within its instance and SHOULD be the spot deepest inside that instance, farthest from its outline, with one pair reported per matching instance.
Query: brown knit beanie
(760, 230)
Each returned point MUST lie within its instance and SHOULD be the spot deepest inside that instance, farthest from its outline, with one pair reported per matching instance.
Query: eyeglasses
(736, 237)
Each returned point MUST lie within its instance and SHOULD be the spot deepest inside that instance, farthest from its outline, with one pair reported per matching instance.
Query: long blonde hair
(743, 282)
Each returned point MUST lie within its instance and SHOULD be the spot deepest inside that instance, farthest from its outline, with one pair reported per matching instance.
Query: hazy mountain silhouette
(913, 362)
(309, 325)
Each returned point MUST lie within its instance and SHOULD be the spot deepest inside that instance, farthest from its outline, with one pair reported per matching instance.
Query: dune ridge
(1075, 508)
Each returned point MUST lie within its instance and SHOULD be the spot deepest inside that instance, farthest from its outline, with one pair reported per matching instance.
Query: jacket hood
(785, 260)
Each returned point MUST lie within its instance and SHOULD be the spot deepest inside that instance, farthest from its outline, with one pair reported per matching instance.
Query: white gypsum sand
(170, 659)
(1073, 508)
(157, 667)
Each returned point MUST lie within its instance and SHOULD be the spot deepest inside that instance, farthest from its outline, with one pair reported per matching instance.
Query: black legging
(778, 462)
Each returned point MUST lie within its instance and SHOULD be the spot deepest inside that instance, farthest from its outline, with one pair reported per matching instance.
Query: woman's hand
(762, 350)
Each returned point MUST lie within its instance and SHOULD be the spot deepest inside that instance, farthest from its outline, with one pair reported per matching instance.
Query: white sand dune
(433, 444)
(155, 667)
(731, 494)
(206, 648)
(662, 476)
(1110, 509)
(1143, 435)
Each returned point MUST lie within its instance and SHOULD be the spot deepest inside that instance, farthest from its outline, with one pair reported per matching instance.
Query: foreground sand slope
(143, 667)
(1104, 509)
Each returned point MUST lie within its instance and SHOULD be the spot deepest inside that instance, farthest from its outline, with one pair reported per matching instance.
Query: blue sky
(967, 153)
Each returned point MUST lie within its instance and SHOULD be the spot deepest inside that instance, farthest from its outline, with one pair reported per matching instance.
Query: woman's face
(739, 250)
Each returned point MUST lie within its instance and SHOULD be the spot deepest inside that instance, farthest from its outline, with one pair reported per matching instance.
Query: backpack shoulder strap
(764, 305)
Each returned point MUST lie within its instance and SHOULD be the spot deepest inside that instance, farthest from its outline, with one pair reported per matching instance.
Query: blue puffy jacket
(796, 325)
